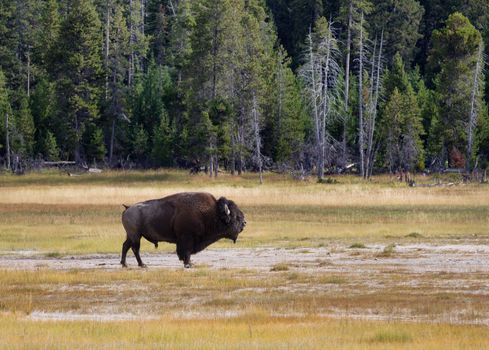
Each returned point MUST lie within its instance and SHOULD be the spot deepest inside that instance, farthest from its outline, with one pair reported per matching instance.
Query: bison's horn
(226, 209)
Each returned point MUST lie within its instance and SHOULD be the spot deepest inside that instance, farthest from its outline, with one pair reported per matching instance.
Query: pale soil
(420, 270)
(411, 258)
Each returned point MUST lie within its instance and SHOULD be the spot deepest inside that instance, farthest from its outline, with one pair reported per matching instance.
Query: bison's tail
(125, 206)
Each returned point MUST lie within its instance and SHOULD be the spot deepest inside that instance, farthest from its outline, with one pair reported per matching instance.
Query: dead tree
(320, 75)
(474, 105)
(7, 141)
(256, 134)
(361, 141)
(373, 103)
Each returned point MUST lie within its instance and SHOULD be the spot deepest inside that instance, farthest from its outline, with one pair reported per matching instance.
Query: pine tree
(49, 147)
(351, 14)
(396, 77)
(9, 40)
(290, 118)
(158, 30)
(148, 105)
(400, 21)
(140, 144)
(138, 41)
(5, 113)
(161, 152)
(47, 36)
(117, 68)
(79, 73)
(403, 130)
(453, 60)
(96, 149)
(24, 130)
(44, 108)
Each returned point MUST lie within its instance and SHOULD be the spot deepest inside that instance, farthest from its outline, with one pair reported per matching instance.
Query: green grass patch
(391, 337)
(414, 235)
(280, 267)
(358, 246)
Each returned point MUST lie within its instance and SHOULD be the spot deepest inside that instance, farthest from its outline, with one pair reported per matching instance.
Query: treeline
(245, 84)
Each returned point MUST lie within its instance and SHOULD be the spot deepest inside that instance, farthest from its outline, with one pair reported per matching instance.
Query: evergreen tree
(157, 29)
(400, 21)
(49, 147)
(43, 108)
(161, 152)
(5, 113)
(9, 40)
(24, 130)
(453, 60)
(290, 118)
(79, 73)
(148, 105)
(96, 149)
(396, 77)
(138, 41)
(117, 66)
(403, 130)
(140, 144)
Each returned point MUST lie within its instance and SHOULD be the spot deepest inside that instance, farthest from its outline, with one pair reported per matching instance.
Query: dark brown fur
(191, 220)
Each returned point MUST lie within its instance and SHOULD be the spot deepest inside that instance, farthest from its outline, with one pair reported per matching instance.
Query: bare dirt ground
(420, 282)
(411, 258)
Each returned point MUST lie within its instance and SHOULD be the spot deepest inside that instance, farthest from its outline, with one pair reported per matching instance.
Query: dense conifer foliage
(305, 85)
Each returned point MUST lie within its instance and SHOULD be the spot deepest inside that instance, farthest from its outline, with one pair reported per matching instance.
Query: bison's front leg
(184, 249)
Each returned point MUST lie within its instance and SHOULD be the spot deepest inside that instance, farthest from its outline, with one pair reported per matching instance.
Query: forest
(313, 86)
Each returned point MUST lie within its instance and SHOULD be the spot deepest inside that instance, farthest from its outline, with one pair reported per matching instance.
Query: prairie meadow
(345, 265)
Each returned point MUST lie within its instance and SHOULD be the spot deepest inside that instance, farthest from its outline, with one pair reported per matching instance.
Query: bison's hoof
(143, 266)
(123, 264)
(187, 266)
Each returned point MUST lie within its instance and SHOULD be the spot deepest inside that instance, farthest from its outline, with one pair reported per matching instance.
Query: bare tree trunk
(280, 98)
(214, 62)
(112, 139)
(370, 112)
(361, 142)
(347, 81)
(375, 104)
(216, 166)
(256, 131)
(473, 108)
(28, 74)
(315, 105)
(233, 154)
(131, 44)
(172, 8)
(107, 44)
(211, 166)
(7, 141)
(325, 103)
(143, 15)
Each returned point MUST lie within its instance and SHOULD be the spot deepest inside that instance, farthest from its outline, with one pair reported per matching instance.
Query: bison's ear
(223, 210)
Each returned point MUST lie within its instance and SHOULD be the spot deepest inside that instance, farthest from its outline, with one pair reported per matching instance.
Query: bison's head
(232, 218)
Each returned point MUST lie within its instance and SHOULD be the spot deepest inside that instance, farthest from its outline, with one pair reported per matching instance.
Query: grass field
(287, 306)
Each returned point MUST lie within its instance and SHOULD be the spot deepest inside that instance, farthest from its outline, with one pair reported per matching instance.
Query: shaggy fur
(191, 220)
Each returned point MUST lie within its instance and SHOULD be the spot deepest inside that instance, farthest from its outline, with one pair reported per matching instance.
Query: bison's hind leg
(135, 249)
(125, 247)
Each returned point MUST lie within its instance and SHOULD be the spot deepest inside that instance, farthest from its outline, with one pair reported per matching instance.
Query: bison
(192, 220)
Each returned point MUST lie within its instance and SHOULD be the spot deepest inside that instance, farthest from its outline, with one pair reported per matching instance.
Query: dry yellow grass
(61, 214)
(286, 308)
(254, 331)
(295, 194)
